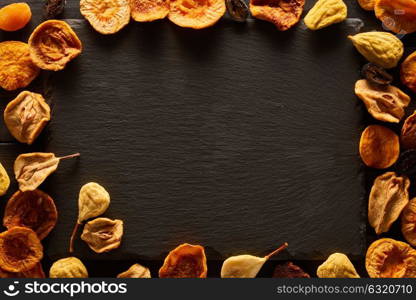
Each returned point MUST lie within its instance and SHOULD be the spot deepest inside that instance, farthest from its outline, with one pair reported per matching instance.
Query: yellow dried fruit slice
(398, 16)
(149, 10)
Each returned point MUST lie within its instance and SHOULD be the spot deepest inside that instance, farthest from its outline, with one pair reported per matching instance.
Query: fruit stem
(70, 156)
(74, 233)
(278, 250)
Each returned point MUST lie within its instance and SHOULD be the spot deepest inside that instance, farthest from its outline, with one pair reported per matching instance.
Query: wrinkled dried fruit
(196, 14)
(408, 132)
(237, 9)
(70, 267)
(106, 16)
(20, 249)
(4, 180)
(135, 271)
(367, 4)
(36, 272)
(397, 15)
(408, 71)
(284, 14)
(384, 103)
(53, 44)
(26, 116)
(381, 48)
(388, 196)
(337, 265)
(31, 169)
(406, 164)
(379, 147)
(14, 16)
(35, 210)
(149, 10)
(325, 13)
(54, 8)
(388, 258)
(16, 67)
(185, 261)
(409, 222)
(103, 234)
(246, 266)
(289, 270)
(376, 74)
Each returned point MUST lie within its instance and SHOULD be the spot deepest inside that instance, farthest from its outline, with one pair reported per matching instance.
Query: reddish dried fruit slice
(408, 71)
(149, 10)
(397, 15)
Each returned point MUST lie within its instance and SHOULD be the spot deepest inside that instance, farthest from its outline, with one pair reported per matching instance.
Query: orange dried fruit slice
(398, 16)
(106, 16)
(16, 67)
(196, 14)
(149, 10)
(53, 44)
(408, 71)
(15, 16)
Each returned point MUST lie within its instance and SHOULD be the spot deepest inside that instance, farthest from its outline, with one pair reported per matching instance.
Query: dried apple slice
(149, 10)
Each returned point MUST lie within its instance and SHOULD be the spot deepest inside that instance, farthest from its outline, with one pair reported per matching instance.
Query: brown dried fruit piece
(196, 14)
(135, 271)
(106, 16)
(379, 147)
(289, 270)
(397, 15)
(408, 132)
(388, 258)
(53, 44)
(388, 196)
(103, 234)
(149, 10)
(376, 75)
(409, 222)
(282, 13)
(20, 249)
(36, 272)
(384, 103)
(16, 67)
(26, 116)
(408, 71)
(35, 210)
(185, 261)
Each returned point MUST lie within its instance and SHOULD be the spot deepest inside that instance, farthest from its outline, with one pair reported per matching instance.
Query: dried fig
(149, 10)
(103, 234)
(135, 271)
(409, 222)
(337, 265)
(70, 267)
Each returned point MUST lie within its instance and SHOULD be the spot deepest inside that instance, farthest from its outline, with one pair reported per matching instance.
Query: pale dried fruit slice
(338, 265)
(106, 16)
(136, 271)
(103, 234)
(70, 267)
(149, 10)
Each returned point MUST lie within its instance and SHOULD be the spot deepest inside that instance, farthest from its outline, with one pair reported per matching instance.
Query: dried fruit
(53, 44)
(93, 201)
(406, 164)
(379, 147)
(388, 258)
(26, 116)
(384, 103)
(70, 267)
(382, 48)
(4, 181)
(409, 222)
(196, 14)
(408, 132)
(185, 261)
(289, 270)
(35, 272)
(367, 4)
(16, 67)
(325, 13)
(103, 234)
(106, 16)
(388, 196)
(20, 249)
(135, 271)
(246, 266)
(15, 16)
(376, 74)
(397, 15)
(35, 210)
(337, 265)
(149, 10)
(31, 169)
(284, 14)
(237, 9)
(54, 8)
(408, 72)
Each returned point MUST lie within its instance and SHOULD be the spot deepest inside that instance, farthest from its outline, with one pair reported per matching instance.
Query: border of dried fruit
(31, 214)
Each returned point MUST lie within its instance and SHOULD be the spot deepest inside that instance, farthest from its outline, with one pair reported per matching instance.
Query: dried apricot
(409, 222)
(36, 272)
(282, 13)
(408, 71)
(398, 16)
(53, 44)
(408, 132)
(196, 14)
(367, 4)
(149, 10)
(14, 16)
(16, 67)
(106, 16)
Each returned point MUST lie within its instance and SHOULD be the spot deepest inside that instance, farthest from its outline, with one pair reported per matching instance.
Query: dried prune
(408, 132)
(289, 270)
(237, 9)
(149, 10)
(397, 15)
(70, 267)
(376, 74)
(53, 8)
(103, 234)
(409, 222)
(15, 16)
(408, 71)
(338, 265)
(406, 164)
(135, 271)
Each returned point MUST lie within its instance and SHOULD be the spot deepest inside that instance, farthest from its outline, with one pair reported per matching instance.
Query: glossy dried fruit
(337, 265)
(4, 181)
(106, 16)
(237, 9)
(367, 4)
(325, 13)
(185, 261)
(284, 14)
(397, 15)
(35, 210)
(53, 44)
(70, 267)
(381, 48)
(20, 249)
(149, 10)
(26, 116)
(103, 234)
(379, 147)
(246, 266)
(408, 72)
(384, 103)
(15, 16)
(408, 132)
(388, 258)
(289, 270)
(376, 74)
(35, 272)
(409, 222)
(31, 169)
(135, 271)
(16, 67)
(54, 8)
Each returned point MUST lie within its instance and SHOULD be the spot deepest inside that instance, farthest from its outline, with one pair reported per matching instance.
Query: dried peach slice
(149, 10)
(196, 14)
(398, 16)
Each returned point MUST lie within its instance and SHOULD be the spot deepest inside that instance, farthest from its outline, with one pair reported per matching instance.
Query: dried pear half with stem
(338, 265)
(70, 267)
(149, 10)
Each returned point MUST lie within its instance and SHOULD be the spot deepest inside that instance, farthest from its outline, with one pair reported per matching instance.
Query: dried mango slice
(196, 14)
(53, 44)
(106, 16)
(282, 13)
(16, 67)
(398, 16)
(149, 10)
